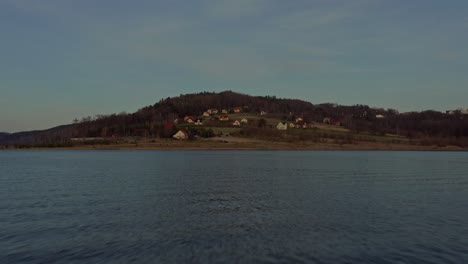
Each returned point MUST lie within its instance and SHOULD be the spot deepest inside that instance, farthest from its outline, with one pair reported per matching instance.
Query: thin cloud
(228, 9)
(45, 7)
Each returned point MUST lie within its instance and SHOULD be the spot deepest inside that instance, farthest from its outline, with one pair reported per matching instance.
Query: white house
(224, 111)
(206, 114)
(181, 135)
(379, 116)
(244, 121)
(282, 126)
(299, 119)
(236, 123)
(262, 113)
(291, 125)
(198, 122)
(189, 119)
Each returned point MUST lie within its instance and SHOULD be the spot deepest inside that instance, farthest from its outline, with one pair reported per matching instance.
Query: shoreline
(245, 144)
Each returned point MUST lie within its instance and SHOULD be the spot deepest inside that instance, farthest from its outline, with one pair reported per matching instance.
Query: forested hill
(3, 135)
(152, 121)
(152, 118)
(196, 104)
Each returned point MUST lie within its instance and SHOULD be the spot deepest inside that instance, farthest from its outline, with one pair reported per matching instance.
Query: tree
(261, 123)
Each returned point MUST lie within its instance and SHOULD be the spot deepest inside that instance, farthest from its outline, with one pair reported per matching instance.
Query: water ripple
(233, 207)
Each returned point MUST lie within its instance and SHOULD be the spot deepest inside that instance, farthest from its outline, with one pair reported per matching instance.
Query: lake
(233, 207)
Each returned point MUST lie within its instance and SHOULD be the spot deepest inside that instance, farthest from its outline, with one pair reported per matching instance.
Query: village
(230, 120)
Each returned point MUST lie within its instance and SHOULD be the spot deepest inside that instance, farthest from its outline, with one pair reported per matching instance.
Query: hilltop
(211, 117)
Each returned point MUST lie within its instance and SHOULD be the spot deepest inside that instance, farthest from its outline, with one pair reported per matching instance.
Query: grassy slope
(318, 130)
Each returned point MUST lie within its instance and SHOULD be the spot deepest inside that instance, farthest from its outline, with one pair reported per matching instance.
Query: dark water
(234, 207)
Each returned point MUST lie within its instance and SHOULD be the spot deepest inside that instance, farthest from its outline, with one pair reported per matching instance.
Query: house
(198, 122)
(224, 111)
(206, 114)
(327, 120)
(181, 135)
(189, 119)
(237, 110)
(236, 123)
(305, 125)
(224, 118)
(214, 111)
(282, 126)
(291, 125)
(262, 113)
(379, 116)
(244, 121)
(299, 119)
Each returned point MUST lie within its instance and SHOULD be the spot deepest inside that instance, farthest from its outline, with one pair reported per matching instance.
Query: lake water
(233, 207)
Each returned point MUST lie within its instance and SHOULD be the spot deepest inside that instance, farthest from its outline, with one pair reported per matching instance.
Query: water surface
(233, 206)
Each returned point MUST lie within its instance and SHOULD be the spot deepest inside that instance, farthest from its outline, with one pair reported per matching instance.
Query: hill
(56, 134)
(3, 135)
(326, 121)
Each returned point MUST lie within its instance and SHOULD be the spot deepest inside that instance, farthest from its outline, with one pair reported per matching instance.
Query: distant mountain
(153, 120)
(38, 136)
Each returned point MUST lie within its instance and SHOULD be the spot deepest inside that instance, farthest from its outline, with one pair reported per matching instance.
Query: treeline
(156, 120)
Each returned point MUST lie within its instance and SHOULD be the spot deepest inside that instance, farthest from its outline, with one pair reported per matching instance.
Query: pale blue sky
(61, 59)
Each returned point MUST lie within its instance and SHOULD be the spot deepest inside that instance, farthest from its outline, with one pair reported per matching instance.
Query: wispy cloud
(228, 9)
(57, 8)
(325, 14)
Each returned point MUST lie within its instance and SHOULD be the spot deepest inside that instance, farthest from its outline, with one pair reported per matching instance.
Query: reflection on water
(202, 207)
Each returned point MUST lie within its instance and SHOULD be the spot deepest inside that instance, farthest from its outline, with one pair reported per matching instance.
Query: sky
(65, 59)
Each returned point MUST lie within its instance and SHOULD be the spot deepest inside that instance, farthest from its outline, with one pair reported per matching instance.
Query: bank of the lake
(238, 143)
